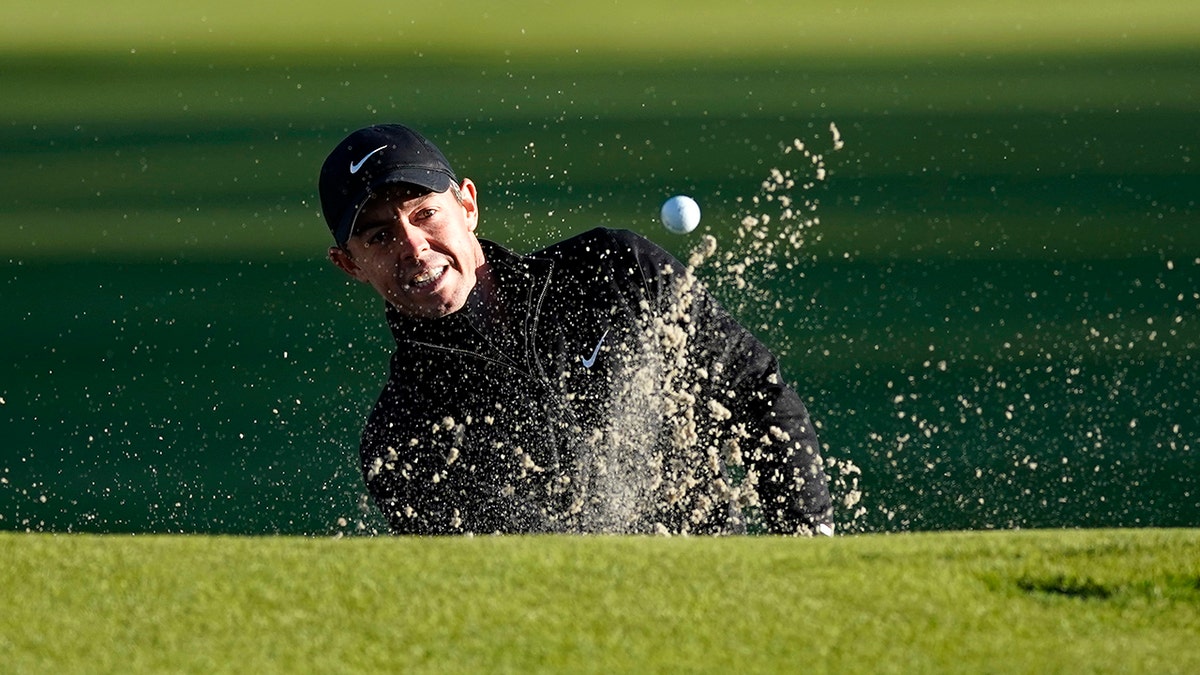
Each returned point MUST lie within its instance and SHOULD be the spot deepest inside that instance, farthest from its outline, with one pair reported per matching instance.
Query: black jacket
(604, 391)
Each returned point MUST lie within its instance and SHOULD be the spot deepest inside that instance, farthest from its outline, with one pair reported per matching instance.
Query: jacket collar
(521, 280)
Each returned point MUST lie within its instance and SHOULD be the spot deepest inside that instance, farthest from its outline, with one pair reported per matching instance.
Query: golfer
(591, 386)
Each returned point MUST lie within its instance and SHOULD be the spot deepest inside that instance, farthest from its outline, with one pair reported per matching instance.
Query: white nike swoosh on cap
(355, 166)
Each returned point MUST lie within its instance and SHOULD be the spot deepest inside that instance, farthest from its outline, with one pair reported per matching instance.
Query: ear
(470, 203)
(342, 260)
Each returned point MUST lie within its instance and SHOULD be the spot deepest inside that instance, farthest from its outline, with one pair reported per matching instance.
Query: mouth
(426, 278)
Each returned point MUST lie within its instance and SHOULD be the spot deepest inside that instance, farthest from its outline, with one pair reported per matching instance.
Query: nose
(412, 239)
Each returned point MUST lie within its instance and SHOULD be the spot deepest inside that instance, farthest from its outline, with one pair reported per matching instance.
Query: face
(417, 249)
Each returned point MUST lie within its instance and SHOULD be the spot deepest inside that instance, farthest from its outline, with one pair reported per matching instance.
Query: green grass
(1034, 601)
(997, 324)
(619, 27)
(197, 131)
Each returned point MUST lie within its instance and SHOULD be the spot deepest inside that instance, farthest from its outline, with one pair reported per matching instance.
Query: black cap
(371, 158)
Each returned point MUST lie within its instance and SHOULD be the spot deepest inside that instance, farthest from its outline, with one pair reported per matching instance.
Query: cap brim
(430, 179)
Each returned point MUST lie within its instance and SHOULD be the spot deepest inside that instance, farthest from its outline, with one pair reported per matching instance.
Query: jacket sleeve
(407, 464)
(430, 459)
(389, 471)
(762, 416)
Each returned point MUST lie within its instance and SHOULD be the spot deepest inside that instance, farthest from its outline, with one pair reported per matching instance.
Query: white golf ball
(680, 214)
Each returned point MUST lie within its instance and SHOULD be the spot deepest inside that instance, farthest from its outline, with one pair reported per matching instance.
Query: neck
(486, 301)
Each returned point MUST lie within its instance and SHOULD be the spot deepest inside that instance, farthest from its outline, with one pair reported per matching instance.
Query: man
(592, 386)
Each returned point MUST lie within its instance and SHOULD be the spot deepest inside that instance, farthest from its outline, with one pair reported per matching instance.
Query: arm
(409, 457)
(437, 452)
(389, 472)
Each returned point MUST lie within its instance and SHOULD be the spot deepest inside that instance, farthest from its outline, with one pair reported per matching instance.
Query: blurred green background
(994, 322)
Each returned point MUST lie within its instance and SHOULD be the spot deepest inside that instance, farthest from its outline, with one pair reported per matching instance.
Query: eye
(380, 236)
(376, 233)
(424, 214)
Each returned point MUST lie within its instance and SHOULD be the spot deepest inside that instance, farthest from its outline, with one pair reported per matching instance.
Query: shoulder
(599, 242)
(624, 259)
(611, 246)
